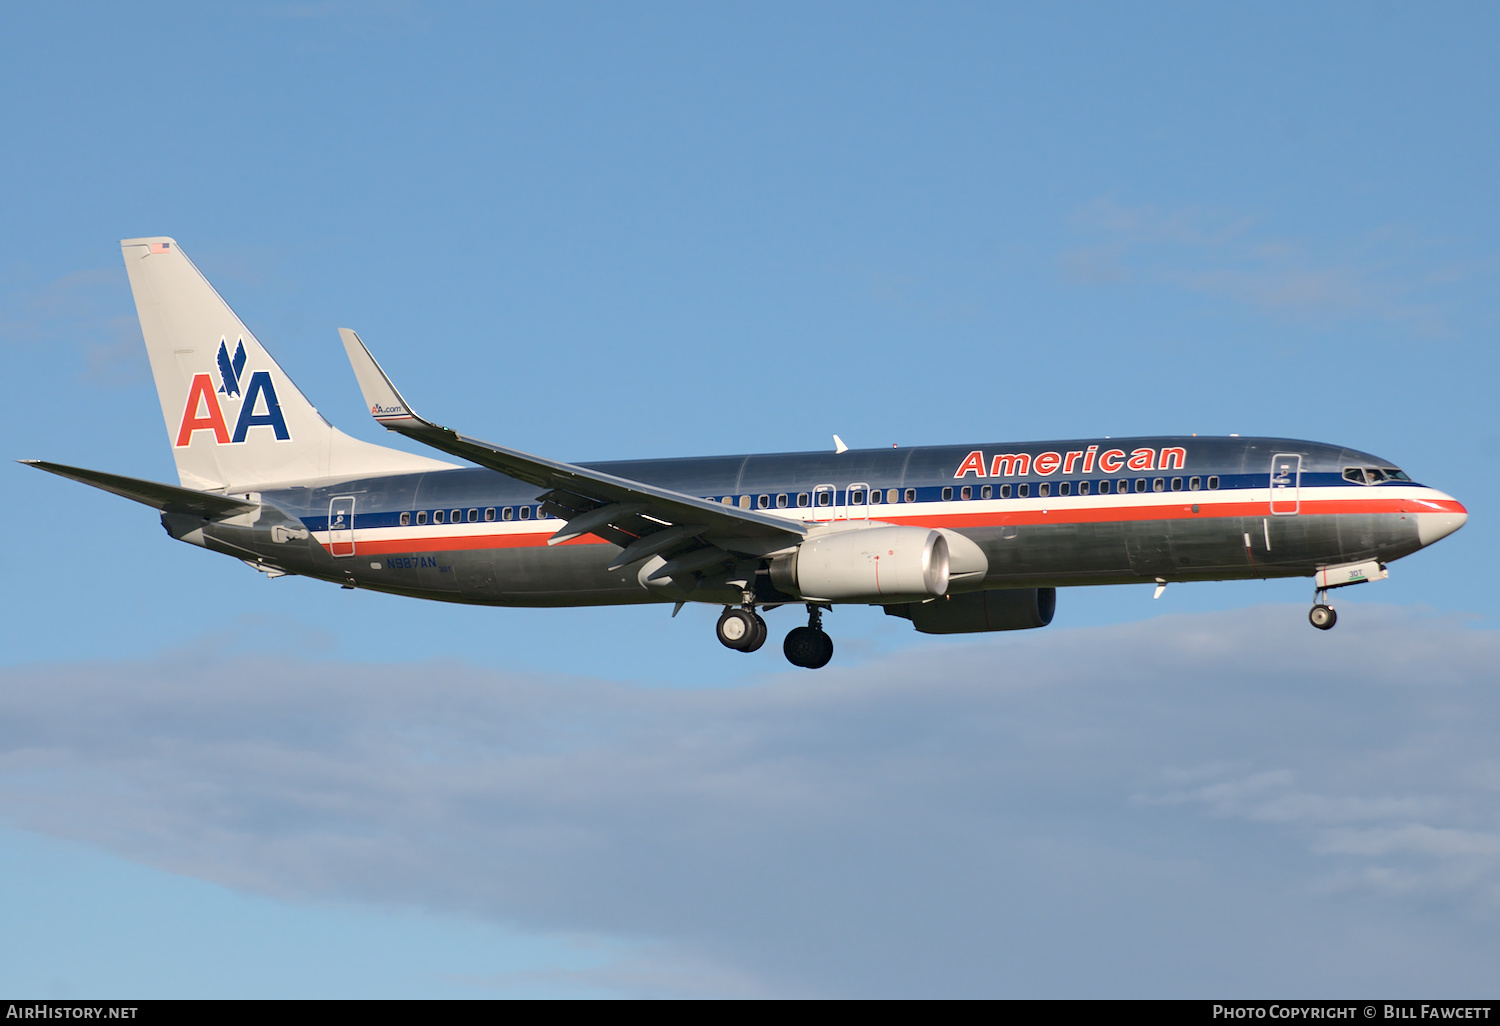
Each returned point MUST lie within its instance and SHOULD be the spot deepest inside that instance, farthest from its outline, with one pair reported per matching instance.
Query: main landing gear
(742, 629)
(1322, 615)
(809, 646)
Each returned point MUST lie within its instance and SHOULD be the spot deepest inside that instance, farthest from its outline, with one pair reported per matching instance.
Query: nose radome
(1436, 524)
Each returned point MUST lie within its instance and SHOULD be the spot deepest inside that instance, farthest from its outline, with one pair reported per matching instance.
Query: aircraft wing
(165, 497)
(644, 518)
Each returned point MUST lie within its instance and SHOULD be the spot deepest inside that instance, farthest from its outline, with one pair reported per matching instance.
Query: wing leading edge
(692, 533)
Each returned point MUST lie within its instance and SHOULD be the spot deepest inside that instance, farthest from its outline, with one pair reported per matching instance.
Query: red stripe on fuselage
(1103, 513)
(452, 543)
(1174, 511)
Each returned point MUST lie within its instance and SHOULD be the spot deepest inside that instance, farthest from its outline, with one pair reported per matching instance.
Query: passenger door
(341, 526)
(1286, 480)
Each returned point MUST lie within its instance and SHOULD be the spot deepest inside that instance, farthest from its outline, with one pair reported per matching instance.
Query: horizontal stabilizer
(167, 498)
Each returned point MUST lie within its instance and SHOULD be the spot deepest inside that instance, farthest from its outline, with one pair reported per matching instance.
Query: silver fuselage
(1206, 509)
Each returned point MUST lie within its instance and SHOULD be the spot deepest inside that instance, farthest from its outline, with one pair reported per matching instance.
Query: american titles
(1078, 461)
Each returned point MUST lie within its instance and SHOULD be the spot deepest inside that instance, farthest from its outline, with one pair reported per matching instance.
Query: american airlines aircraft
(956, 539)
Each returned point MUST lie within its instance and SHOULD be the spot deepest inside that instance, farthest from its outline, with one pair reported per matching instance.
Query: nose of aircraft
(1438, 516)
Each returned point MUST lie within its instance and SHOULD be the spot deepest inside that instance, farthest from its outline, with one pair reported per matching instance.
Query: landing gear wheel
(761, 631)
(809, 647)
(1322, 617)
(737, 630)
(826, 653)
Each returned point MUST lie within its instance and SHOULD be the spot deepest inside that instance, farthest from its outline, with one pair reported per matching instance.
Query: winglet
(385, 403)
(838, 444)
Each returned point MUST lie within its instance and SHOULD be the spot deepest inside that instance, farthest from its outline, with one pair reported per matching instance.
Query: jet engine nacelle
(1011, 609)
(876, 564)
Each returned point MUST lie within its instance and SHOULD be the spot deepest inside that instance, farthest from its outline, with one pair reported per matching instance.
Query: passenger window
(947, 494)
(422, 516)
(1023, 490)
(966, 492)
(1159, 485)
(1122, 487)
(1005, 491)
(525, 512)
(728, 500)
(507, 513)
(473, 516)
(1213, 483)
(893, 495)
(406, 520)
(1140, 484)
(911, 495)
(825, 498)
(781, 501)
(437, 516)
(1044, 489)
(857, 497)
(1354, 474)
(489, 514)
(1065, 488)
(458, 517)
(764, 502)
(802, 499)
(1083, 487)
(1176, 484)
(874, 494)
(744, 502)
(986, 492)
(1194, 483)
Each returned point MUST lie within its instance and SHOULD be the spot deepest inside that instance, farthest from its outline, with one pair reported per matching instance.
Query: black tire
(807, 647)
(825, 652)
(801, 646)
(1323, 617)
(736, 629)
(761, 633)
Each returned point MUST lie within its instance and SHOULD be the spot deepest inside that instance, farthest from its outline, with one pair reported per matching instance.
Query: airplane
(956, 539)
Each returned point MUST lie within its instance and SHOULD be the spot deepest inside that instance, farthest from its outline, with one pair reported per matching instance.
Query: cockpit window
(1374, 475)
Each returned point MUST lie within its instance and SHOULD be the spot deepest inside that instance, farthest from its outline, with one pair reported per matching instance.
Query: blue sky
(599, 231)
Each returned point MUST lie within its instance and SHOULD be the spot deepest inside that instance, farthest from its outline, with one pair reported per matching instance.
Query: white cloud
(1387, 274)
(87, 310)
(1192, 805)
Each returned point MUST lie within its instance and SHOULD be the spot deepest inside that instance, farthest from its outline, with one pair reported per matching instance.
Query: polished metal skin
(956, 539)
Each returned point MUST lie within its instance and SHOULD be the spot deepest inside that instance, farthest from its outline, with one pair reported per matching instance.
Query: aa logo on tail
(229, 370)
(203, 411)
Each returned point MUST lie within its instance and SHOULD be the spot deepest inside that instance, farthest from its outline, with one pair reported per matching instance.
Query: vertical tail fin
(234, 419)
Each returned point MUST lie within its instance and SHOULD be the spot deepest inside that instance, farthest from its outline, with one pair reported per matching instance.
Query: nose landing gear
(1322, 615)
(809, 646)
